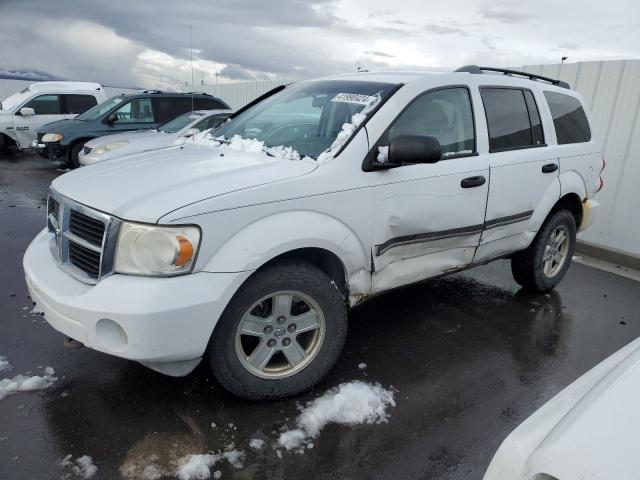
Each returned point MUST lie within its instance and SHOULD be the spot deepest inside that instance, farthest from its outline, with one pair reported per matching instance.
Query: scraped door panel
(425, 223)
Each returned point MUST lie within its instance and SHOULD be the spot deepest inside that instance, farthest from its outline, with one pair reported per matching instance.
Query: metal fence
(236, 94)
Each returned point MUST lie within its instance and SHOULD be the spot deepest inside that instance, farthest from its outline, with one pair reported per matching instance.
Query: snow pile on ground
(198, 466)
(350, 403)
(22, 383)
(4, 364)
(83, 466)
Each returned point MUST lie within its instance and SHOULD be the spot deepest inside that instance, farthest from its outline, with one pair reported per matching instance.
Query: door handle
(473, 182)
(549, 167)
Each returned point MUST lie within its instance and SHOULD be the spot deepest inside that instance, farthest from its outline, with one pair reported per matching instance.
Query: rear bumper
(589, 209)
(154, 321)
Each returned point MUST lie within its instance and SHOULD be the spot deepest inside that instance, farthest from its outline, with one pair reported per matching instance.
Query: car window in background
(177, 124)
(168, 108)
(75, 103)
(569, 118)
(45, 105)
(99, 110)
(210, 122)
(306, 116)
(204, 103)
(444, 114)
(508, 119)
(138, 110)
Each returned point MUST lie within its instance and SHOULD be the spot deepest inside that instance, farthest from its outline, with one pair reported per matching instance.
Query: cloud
(506, 15)
(378, 54)
(236, 72)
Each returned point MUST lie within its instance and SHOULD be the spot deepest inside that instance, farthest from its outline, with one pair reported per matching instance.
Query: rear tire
(271, 307)
(73, 154)
(545, 262)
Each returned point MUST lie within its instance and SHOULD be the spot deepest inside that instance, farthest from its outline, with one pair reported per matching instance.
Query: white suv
(248, 246)
(44, 102)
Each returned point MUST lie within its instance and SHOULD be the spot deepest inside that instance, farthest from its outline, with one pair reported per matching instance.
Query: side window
(45, 105)
(513, 121)
(444, 114)
(78, 103)
(569, 118)
(139, 110)
(210, 122)
(168, 108)
(203, 103)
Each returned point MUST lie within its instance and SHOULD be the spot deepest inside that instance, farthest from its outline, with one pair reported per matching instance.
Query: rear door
(47, 108)
(524, 170)
(428, 218)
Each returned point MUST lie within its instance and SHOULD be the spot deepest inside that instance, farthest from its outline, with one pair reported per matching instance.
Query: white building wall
(236, 94)
(611, 90)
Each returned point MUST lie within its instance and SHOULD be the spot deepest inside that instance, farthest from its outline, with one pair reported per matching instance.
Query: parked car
(249, 250)
(141, 111)
(589, 431)
(186, 125)
(43, 102)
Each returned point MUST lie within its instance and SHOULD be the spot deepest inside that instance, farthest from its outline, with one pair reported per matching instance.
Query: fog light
(111, 335)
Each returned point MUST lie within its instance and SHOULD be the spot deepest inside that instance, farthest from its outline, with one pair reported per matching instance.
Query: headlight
(52, 137)
(107, 147)
(154, 250)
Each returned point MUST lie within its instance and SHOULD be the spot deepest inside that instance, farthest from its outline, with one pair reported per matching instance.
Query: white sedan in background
(589, 431)
(186, 125)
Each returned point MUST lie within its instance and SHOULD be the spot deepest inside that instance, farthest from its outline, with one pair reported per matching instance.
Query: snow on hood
(146, 186)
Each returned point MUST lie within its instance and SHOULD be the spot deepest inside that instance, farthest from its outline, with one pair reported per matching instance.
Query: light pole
(562, 60)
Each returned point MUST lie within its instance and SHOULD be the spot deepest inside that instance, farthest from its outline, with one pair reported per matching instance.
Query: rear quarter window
(208, 104)
(569, 118)
(78, 103)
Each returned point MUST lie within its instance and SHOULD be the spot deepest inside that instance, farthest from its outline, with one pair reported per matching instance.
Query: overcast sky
(146, 42)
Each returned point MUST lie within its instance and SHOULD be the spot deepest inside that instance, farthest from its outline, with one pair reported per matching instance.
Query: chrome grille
(81, 239)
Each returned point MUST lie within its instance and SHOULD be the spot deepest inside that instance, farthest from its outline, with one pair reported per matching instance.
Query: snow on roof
(64, 86)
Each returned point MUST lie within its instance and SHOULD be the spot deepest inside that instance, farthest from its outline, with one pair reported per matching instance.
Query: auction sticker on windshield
(353, 98)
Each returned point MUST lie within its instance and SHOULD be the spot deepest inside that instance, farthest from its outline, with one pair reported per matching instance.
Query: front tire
(545, 262)
(74, 162)
(280, 334)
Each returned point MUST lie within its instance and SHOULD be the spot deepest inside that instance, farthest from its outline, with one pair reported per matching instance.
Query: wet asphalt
(469, 356)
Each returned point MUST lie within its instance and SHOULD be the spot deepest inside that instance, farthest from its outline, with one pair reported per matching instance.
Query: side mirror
(112, 118)
(190, 133)
(27, 111)
(414, 149)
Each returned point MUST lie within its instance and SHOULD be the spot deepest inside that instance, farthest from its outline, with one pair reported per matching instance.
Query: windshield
(100, 109)
(15, 99)
(178, 123)
(307, 116)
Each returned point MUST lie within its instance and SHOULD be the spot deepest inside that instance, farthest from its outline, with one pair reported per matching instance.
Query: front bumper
(154, 321)
(90, 158)
(53, 151)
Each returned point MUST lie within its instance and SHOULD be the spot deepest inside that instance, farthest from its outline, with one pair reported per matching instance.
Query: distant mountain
(33, 75)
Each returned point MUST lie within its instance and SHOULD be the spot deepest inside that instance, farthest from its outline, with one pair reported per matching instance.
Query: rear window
(203, 103)
(79, 103)
(569, 118)
(513, 119)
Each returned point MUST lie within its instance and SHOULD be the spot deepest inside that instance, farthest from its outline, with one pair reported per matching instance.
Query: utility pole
(563, 59)
(191, 55)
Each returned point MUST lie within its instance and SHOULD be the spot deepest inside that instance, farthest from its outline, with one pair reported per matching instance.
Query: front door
(136, 114)
(428, 218)
(47, 109)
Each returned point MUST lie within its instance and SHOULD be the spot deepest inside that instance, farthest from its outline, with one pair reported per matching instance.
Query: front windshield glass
(307, 116)
(178, 123)
(15, 99)
(100, 109)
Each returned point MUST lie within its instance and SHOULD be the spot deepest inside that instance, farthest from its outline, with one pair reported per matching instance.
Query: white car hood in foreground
(140, 141)
(589, 431)
(146, 186)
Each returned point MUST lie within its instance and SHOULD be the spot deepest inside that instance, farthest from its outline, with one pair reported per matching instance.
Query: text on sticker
(353, 98)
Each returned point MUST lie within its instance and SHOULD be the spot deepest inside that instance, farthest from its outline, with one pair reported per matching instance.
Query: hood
(119, 137)
(146, 186)
(61, 126)
(589, 431)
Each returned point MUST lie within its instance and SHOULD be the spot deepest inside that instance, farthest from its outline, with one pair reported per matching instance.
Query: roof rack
(197, 93)
(151, 91)
(475, 69)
